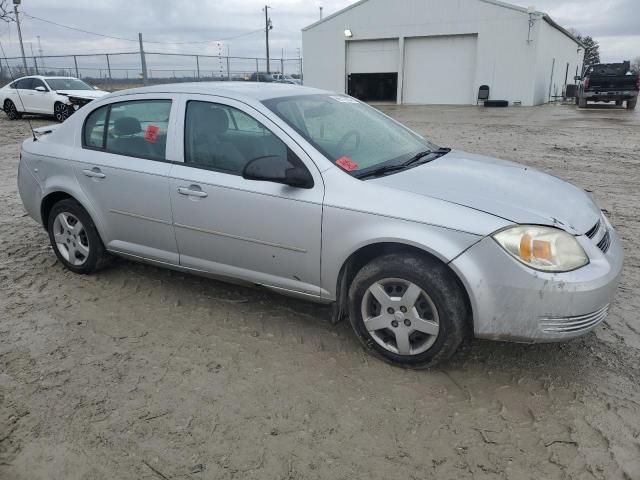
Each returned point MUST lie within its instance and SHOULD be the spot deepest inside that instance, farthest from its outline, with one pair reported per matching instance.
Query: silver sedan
(320, 196)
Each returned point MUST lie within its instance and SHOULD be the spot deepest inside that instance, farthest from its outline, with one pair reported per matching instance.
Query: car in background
(56, 96)
(262, 77)
(283, 78)
(609, 82)
(317, 195)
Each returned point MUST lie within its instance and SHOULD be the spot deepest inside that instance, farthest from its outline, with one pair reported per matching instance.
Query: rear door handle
(95, 172)
(192, 191)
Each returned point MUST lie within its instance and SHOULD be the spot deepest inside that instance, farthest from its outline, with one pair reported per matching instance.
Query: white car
(57, 96)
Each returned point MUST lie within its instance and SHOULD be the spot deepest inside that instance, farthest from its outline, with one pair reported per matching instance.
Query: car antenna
(35, 139)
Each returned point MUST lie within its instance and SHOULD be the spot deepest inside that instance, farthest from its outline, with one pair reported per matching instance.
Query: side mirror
(577, 78)
(40, 88)
(276, 169)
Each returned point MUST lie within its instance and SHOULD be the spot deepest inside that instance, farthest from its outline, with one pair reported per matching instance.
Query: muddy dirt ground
(141, 373)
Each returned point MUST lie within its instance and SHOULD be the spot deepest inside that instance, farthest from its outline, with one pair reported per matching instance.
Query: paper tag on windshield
(346, 163)
(151, 134)
(344, 99)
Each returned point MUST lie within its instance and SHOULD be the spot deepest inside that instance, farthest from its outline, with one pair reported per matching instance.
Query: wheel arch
(54, 195)
(366, 253)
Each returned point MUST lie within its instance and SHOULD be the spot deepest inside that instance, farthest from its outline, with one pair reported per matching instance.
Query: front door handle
(95, 172)
(192, 191)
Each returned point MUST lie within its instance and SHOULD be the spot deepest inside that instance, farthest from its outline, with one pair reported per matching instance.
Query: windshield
(67, 84)
(351, 134)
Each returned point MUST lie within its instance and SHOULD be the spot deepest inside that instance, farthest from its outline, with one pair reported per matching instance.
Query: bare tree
(6, 11)
(635, 65)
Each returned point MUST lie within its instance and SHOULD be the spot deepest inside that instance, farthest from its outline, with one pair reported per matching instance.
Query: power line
(24, 14)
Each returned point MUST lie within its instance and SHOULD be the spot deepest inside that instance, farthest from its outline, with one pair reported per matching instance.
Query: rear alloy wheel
(75, 239)
(61, 111)
(408, 310)
(11, 110)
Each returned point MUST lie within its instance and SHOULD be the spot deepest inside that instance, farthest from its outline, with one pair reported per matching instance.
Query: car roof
(42, 77)
(240, 90)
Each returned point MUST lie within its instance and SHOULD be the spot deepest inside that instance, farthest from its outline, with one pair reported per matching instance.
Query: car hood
(505, 189)
(89, 94)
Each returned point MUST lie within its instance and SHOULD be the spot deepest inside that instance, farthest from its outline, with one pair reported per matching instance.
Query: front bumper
(511, 301)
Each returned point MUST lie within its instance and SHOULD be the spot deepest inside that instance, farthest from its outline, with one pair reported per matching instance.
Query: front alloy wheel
(400, 316)
(409, 310)
(61, 112)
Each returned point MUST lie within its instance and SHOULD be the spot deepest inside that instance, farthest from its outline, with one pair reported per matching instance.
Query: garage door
(440, 70)
(372, 56)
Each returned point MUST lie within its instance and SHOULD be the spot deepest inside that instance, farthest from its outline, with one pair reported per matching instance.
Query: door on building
(372, 69)
(440, 70)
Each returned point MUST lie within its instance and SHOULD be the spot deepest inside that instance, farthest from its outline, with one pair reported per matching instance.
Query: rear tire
(422, 316)
(10, 109)
(619, 103)
(75, 239)
(582, 102)
(631, 104)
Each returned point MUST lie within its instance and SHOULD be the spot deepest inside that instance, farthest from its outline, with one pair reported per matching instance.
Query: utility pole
(143, 61)
(15, 11)
(267, 26)
(40, 52)
(321, 8)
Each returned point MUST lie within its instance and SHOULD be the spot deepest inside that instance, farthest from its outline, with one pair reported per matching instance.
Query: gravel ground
(143, 373)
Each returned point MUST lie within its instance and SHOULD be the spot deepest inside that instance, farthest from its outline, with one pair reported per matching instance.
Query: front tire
(11, 111)
(631, 104)
(61, 111)
(75, 239)
(408, 310)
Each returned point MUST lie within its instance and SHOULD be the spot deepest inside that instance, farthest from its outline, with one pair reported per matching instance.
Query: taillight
(586, 83)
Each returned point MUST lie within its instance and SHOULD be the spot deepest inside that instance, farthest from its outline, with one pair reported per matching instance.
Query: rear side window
(24, 84)
(93, 135)
(134, 129)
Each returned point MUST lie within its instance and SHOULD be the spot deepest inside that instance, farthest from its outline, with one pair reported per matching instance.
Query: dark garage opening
(374, 87)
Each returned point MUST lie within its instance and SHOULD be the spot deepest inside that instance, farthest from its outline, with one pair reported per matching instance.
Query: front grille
(605, 242)
(577, 324)
(592, 233)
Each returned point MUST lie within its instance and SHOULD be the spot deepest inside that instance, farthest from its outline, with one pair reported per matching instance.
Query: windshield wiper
(419, 156)
(413, 161)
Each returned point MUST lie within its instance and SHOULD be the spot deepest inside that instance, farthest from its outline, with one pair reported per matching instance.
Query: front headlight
(543, 248)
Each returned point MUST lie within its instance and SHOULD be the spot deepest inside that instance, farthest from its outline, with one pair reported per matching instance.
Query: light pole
(24, 59)
(267, 26)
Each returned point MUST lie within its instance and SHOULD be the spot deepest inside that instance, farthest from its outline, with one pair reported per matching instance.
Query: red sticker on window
(151, 135)
(346, 163)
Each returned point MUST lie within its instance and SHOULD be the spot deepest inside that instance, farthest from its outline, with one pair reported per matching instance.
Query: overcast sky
(614, 23)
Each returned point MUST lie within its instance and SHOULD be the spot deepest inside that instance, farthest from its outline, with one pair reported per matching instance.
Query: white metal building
(440, 52)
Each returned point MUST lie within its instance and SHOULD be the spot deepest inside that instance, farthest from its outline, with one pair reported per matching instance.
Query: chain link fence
(115, 71)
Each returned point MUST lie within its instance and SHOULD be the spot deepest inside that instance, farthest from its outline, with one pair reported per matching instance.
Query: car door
(262, 232)
(123, 169)
(38, 101)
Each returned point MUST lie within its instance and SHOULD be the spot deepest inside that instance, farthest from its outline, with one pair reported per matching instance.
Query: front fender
(345, 232)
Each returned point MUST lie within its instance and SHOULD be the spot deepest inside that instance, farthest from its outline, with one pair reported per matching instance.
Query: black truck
(609, 82)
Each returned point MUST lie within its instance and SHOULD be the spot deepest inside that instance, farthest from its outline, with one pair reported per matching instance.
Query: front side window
(38, 83)
(351, 134)
(136, 129)
(223, 138)
(67, 84)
